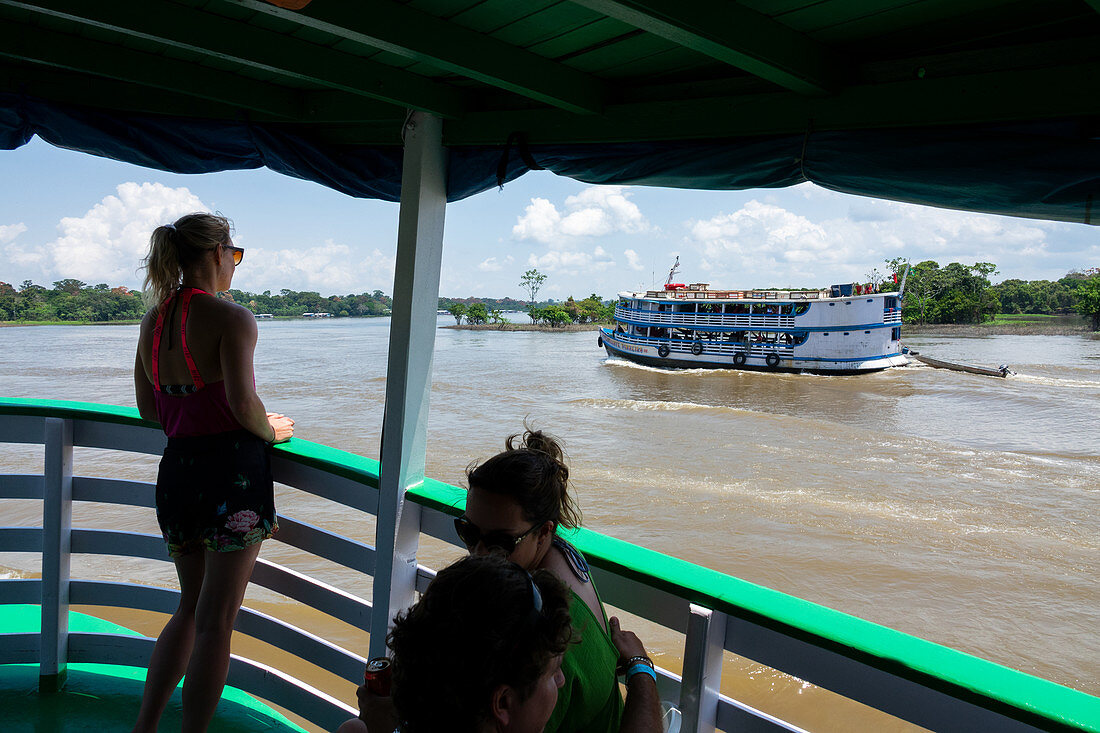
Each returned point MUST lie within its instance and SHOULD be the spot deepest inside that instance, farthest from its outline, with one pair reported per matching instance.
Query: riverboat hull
(649, 356)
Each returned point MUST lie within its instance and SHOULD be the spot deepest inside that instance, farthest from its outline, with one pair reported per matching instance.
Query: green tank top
(589, 700)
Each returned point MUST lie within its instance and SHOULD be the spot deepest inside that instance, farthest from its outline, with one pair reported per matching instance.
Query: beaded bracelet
(640, 668)
(641, 659)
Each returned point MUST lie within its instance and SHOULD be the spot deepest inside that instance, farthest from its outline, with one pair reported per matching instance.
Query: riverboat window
(890, 302)
(831, 304)
(826, 333)
(797, 339)
(802, 308)
(895, 334)
(786, 310)
(870, 300)
(845, 333)
(867, 332)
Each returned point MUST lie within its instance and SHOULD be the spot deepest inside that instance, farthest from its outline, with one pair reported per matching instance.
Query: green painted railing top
(986, 683)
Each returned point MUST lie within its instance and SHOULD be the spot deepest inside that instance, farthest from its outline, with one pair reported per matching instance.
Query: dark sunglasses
(471, 535)
(238, 253)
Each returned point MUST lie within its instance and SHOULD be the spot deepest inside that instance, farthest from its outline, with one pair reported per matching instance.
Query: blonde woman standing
(215, 503)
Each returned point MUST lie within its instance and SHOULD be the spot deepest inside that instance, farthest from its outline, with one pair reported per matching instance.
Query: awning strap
(519, 140)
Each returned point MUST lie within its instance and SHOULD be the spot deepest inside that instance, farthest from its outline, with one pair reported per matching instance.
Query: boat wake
(658, 406)
(617, 362)
(1057, 381)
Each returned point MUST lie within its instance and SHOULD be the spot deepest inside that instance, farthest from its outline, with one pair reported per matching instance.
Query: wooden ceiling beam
(65, 51)
(1038, 94)
(215, 36)
(735, 35)
(425, 38)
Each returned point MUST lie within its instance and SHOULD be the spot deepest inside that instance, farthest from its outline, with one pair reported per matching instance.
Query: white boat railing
(702, 321)
(711, 347)
(918, 681)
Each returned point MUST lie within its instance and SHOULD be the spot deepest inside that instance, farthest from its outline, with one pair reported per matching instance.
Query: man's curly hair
(474, 629)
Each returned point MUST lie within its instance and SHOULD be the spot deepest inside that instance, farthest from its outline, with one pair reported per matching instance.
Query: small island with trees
(955, 298)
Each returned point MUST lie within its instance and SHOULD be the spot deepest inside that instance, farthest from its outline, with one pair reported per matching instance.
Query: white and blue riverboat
(846, 329)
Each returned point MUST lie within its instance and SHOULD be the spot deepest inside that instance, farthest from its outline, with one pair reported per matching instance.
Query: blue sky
(66, 214)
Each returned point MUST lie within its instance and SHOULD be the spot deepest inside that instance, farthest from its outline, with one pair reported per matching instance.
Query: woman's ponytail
(162, 267)
(174, 246)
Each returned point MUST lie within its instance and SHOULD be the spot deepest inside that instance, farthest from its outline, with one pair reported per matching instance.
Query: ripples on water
(959, 508)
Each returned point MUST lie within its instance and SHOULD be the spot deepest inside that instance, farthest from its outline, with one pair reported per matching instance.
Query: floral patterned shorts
(215, 492)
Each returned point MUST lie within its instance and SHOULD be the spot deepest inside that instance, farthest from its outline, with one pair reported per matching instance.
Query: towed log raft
(1001, 371)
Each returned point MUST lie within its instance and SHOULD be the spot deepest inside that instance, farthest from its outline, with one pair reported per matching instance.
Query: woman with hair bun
(214, 496)
(516, 501)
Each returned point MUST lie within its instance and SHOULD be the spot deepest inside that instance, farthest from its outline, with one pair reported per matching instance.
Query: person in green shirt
(516, 501)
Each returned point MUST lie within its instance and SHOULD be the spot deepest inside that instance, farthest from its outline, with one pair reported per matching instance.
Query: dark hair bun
(531, 471)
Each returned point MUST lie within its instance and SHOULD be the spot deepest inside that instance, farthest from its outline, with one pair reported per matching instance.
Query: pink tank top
(186, 410)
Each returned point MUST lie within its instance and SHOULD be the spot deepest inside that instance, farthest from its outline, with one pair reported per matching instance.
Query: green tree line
(69, 300)
(295, 303)
(590, 310)
(958, 293)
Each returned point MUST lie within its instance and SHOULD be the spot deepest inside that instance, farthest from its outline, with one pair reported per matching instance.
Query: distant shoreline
(997, 329)
(1029, 328)
(15, 324)
(568, 328)
(931, 329)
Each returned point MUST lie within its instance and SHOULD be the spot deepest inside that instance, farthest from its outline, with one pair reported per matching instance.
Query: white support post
(57, 521)
(702, 680)
(409, 370)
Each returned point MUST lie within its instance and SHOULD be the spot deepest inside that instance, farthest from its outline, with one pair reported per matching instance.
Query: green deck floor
(105, 697)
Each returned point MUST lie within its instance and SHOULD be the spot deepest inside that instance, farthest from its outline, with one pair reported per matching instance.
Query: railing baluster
(702, 680)
(57, 520)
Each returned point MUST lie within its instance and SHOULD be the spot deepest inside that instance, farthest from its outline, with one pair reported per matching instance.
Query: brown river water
(958, 508)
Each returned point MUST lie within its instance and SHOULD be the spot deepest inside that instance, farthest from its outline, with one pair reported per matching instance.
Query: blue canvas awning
(1047, 170)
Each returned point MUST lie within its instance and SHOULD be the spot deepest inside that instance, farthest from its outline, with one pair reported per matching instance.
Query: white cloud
(571, 262)
(107, 243)
(8, 232)
(326, 268)
(492, 264)
(632, 260)
(539, 221)
(596, 211)
(761, 243)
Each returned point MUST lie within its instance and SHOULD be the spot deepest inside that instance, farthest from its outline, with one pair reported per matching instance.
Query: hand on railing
(627, 642)
(642, 710)
(281, 425)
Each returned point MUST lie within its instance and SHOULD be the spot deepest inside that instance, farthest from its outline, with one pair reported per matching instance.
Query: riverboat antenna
(675, 267)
